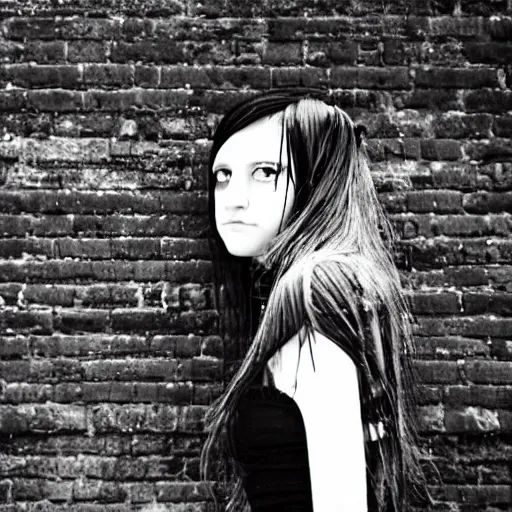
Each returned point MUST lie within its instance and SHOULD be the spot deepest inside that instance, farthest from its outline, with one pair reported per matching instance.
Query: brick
(441, 201)
(488, 53)
(69, 321)
(435, 303)
(32, 321)
(431, 99)
(13, 346)
(87, 28)
(111, 75)
(385, 149)
(475, 494)
(480, 303)
(200, 369)
(488, 100)
(54, 100)
(12, 101)
(450, 225)
(487, 202)
(183, 491)
(22, 28)
(278, 54)
(500, 28)
(18, 247)
(495, 397)
(42, 52)
(489, 150)
(215, 77)
(32, 76)
(464, 78)
(325, 54)
(48, 418)
(88, 51)
(371, 77)
(473, 419)
(147, 76)
(436, 372)
(123, 225)
(88, 344)
(430, 419)
(49, 295)
(503, 126)
(474, 326)
(489, 372)
(165, 51)
(458, 125)
(450, 347)
(457, 26)
(441, 149)
(21, 225)
(124, 100)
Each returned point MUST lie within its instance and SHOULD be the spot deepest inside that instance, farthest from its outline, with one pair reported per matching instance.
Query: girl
(317, 417)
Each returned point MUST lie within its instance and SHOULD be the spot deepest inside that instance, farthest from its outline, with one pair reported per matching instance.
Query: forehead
(259, 141)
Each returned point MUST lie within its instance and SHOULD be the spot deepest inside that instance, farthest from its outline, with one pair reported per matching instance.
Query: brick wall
(108, 346)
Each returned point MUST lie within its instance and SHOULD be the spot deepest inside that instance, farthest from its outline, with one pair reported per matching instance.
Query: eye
(266, 173)
(221, 175)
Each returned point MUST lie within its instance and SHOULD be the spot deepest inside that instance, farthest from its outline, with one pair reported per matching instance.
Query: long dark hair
(333, 271)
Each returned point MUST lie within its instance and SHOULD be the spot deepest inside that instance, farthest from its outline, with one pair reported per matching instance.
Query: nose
(236, 194)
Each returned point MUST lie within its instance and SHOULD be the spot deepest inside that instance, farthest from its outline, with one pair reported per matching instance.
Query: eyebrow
(251, 164)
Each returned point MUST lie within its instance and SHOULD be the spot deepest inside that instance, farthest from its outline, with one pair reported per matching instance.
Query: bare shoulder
(301, 369)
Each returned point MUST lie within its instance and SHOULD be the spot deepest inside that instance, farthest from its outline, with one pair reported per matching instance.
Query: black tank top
(270, 446)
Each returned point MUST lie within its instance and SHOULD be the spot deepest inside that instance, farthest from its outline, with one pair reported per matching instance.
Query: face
(245, 191)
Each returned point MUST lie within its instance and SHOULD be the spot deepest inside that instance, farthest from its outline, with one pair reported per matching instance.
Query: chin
(241, 253)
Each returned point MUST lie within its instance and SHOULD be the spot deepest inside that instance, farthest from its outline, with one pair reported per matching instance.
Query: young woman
(316, 417)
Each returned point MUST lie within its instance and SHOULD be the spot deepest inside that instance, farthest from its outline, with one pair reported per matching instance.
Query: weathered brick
(27, 321)
(48, 418)
(88, 51)
(111, 75)
(131, 369)
(368, 78)
(492, 150)
(457, 125)
(457, 26)
(430, 419)
(435, 303)
(38, 76)
(213, 77)
(475, 326)
(332, 53)
(42, 52)
(431, 99)
(494, 397)
(451, 225)
(450, 347)
(488, 52)
(277, 54)
(487, 202)
(473, 419)
(441, 201)
(54, 100)
(489, 372)
(437, 372)
(464, 78)
(488, 100)
(69, 321)
(441, 149)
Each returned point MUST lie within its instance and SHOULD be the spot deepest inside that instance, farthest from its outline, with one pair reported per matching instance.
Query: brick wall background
(108, 346)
